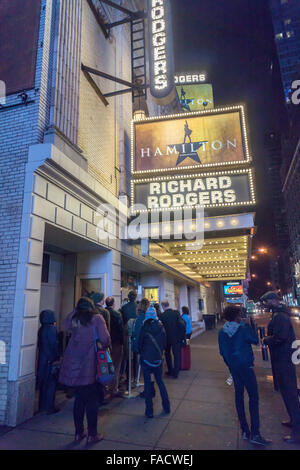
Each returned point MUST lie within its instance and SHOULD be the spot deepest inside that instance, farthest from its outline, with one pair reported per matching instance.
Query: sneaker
(287, 423)
(258, 440)
(79, 437)
(245, 435)
(94, 439)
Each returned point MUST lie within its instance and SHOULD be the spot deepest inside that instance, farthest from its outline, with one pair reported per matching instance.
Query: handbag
(105, 371)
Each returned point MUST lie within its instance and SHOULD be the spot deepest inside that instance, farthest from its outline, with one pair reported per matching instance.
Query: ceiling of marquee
(219, 259)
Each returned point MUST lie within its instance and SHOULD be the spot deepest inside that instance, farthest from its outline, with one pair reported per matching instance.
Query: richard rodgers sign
(203, 190)
(161, 51)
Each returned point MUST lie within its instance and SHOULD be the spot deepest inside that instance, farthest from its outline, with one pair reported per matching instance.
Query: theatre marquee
(210, 138)
(208, 190)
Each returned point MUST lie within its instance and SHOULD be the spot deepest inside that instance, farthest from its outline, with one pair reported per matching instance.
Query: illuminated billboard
(195, 97)
(161, 52)
(193, 140)
(233, 290)
(209, 190)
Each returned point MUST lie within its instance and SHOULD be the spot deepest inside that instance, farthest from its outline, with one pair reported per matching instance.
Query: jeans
(86, 401)
(244, 377)
(176, 348)
(47, 387)
(157, 371)
(285, 372)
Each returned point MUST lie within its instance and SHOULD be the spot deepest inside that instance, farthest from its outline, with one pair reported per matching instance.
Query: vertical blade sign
(161, 52)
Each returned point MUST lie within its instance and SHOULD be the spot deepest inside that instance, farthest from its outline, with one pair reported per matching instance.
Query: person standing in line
(129, 310)
(78, 368)
(48, 347)
(152, 342)
(99, 300)
(186, 317)
(117, 340)
(280, 339)
(158, 310)
(235, 343)
(175, 331)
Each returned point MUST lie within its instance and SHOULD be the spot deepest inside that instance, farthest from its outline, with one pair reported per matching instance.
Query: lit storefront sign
(195, 97)
(161, 51)
(206, 138)
(184, 79)
(233, 289)
(209, 190)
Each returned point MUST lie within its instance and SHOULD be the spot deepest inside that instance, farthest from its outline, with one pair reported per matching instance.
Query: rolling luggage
(185, 357)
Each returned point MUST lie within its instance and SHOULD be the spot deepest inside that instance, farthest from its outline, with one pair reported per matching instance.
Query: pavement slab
(203, 415)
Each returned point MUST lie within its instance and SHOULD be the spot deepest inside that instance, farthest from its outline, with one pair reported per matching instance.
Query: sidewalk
(203, 414)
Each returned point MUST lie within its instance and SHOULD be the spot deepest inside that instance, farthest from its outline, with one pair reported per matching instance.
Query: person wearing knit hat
(151, 314)
(152, 342)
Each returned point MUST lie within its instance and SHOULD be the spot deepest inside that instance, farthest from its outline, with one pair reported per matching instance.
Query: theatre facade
(72, 141)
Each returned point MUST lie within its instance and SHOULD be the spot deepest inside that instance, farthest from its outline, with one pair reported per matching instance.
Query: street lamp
(263, 250)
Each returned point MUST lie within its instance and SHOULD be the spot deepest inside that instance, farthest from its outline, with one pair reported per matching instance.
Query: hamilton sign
(203, 190)
(161, 51)
(205, 138)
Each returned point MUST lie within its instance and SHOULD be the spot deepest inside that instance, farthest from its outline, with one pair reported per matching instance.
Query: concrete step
(197, 328)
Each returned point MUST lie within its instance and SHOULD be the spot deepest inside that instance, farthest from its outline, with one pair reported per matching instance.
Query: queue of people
(151, 332)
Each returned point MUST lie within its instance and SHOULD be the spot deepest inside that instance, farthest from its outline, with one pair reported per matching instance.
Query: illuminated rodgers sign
(221, 189)
(161, 51)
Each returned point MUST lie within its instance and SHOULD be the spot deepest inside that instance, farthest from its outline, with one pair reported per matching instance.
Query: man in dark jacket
(48, 353)
(235, 340)
(279, 340)
(129, 310)
(117, 340)
(152, 341)
(175, 330)
(99, 300)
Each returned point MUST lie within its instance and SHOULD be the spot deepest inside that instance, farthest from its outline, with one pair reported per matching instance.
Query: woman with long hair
(79, 366)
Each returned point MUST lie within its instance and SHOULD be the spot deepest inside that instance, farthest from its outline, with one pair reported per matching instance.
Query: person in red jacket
(78, 368)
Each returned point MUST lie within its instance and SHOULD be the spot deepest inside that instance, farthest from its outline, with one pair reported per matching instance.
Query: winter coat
(105, 314)
(129, 311)
(281, 334)
(189, 328)
(235, 343)
(137, 329)
(152, 342)
(47, 344)
(116, 326)
(174, 326)
(79, 363)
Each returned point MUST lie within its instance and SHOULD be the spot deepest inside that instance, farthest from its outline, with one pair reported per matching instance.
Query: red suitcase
(185, 357)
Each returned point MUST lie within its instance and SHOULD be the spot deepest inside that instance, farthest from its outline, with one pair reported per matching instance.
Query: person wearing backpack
(78, 368)
(152, 342)
(235, 343)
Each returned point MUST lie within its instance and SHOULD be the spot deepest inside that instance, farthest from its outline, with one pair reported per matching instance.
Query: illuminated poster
(202, 190)
(208, 138)
(161, 53)
(231, 290)
(195, 97)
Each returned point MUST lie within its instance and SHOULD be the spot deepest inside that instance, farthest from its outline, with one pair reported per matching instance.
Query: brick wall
(20, 127)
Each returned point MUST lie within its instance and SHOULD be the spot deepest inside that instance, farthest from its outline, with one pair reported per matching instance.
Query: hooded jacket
(281, 334)
(79, 363)
(152, 342)
(235, 343)
(47, 343)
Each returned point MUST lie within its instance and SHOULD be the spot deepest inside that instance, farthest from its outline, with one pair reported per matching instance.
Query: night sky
(233, 41)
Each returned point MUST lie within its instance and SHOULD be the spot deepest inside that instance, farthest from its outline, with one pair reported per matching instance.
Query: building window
(279, 36)
(45, 268)
(287, 21)
(290, 34)
(283, 2)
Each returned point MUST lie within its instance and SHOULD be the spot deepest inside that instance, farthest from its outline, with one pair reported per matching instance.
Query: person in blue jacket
(48, 353)
(186, 316)
(235, 343)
